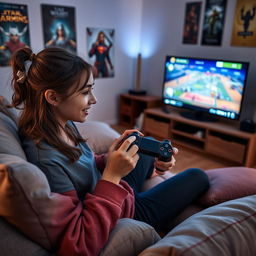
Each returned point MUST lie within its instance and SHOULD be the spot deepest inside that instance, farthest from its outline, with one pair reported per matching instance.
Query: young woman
(55, 88)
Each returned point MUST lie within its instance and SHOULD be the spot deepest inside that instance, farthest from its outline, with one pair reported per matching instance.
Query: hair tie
(22, 75)
(32, 56)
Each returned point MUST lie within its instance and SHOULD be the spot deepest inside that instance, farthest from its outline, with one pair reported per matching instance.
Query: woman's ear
(51, 97)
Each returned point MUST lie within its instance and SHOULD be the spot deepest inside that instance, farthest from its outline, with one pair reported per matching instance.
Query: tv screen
(208, 86)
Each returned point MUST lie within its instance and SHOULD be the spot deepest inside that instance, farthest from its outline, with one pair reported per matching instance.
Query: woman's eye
(87, 91)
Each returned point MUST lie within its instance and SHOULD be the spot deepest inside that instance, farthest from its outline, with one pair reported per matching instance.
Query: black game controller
(149, 146)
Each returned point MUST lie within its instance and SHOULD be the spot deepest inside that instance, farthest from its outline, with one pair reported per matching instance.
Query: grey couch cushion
(129, 238)
(9, 140)
(14, 243)
(99, 135)
(227, 229)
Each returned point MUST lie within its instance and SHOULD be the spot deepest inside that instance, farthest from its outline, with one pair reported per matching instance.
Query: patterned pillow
(227, 229)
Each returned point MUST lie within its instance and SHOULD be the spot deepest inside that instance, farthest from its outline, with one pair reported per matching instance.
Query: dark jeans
(167, 199)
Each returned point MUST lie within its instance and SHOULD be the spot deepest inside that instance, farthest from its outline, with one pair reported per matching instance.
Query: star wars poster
(14, 30)
(213, 25)
(244, 25)
(100, 51)
(191, 23)
(59, 27)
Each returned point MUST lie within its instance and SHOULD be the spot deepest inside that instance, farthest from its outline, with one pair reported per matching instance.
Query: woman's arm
(82, 228)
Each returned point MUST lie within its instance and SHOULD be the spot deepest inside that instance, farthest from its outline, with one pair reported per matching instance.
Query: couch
(218, 224)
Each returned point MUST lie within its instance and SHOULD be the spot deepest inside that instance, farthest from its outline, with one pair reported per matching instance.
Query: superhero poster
(14, 30)
(244, 25)
(191, 23)
(213, 25)
(59, 27)
(100, 51)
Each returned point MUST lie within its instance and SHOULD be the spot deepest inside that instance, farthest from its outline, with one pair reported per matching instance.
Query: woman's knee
(199, 177)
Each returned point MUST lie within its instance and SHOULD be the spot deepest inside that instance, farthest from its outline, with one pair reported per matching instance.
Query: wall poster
(191, 22)
(100, 50)
(14, 30)
(213, 25)
(59, 28)
(244, 25)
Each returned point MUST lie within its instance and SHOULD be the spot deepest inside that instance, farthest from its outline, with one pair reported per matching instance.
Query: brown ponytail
(21, 90)
(52, 68)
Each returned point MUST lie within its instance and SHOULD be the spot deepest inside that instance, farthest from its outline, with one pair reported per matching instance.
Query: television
(208, 87)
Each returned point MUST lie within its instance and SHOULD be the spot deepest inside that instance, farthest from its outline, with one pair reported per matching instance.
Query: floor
(186, 158)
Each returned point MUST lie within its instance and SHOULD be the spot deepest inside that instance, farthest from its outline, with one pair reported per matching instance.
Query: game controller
(149, 146)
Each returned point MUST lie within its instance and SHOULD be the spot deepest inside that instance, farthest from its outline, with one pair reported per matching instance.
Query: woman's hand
(161, 167)
(121, 158)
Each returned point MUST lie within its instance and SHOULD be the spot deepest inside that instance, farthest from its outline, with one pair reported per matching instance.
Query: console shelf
(184, 134)
(131, 106)
(222, 139)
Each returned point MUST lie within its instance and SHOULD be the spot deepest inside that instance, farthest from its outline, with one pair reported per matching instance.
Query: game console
(149, 146)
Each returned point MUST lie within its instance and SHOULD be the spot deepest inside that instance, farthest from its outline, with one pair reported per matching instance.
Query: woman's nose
(93, 99)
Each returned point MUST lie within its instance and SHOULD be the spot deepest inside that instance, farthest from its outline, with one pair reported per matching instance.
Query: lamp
(137, 90)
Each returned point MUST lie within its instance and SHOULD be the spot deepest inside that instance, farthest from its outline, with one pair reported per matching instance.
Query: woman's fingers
(175, 150)
(127, 143)
(165, 166)
(127, 132)
(133, 150)
(115, 144)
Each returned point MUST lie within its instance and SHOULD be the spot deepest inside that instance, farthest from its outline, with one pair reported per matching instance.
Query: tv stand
(166, 109)
(222, 139)
(198, 116)
(131, 106)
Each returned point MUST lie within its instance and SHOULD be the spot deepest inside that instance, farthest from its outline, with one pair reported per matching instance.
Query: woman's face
(76, 107)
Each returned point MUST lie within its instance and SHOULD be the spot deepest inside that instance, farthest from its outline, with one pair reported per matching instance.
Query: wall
(122, 15)
(162, 27)
(155, 26)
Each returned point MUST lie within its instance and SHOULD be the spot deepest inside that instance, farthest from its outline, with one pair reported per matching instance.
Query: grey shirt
(63, 175)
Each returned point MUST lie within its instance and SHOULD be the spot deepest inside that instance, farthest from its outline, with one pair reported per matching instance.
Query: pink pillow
(229, 183)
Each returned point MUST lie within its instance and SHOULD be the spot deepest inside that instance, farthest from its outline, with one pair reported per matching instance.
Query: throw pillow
(7, 109)
(9, 140)
(99, 135)
(25, 198)
(129, 238)
(229, 183)
(226, 229)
